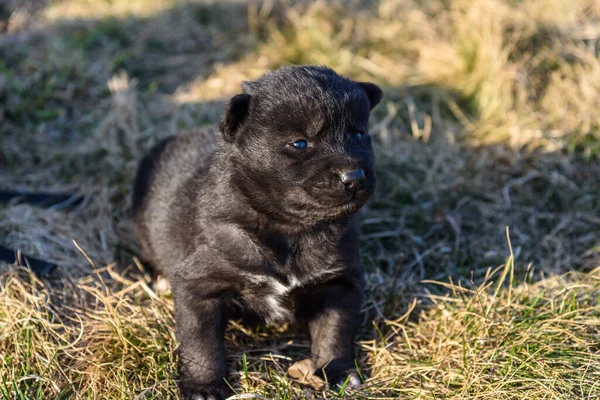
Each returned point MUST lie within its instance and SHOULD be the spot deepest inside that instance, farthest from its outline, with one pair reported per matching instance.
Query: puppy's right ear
(235, 112)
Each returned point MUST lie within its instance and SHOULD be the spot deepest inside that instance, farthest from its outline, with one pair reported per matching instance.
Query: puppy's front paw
(204, 396)
(199, 396)
(353, 380)
(208, 392)
(340, 372)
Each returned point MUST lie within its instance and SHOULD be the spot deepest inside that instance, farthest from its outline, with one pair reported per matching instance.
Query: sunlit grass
(487, 341)
(89, 9)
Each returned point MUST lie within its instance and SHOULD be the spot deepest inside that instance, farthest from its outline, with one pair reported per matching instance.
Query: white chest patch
(275, 293)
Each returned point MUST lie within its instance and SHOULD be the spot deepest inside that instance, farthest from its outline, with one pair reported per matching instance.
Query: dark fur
(247, 225)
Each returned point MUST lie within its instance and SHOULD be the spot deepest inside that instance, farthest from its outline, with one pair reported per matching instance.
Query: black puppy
(260, 222)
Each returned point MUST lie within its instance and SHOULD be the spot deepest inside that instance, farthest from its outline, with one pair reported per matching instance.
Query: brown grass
(489, 121)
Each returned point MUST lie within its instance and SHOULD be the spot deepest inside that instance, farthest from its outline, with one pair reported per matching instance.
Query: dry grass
(109, 336)
(490, 120)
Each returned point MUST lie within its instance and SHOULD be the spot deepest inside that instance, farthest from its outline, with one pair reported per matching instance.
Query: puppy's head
(299, 143)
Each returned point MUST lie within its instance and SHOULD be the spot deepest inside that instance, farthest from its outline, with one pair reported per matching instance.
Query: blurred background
(490, 120)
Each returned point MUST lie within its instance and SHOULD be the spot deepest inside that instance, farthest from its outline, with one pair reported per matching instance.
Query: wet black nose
(353, 179)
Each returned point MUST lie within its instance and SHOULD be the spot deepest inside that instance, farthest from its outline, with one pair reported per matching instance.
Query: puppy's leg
(333, 323)
(200, 325)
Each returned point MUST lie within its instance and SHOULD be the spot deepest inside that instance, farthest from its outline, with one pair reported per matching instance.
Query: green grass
(489, 120)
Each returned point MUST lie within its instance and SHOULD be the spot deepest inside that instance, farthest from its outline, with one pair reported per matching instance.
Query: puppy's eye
(358, 135)
(300, 144)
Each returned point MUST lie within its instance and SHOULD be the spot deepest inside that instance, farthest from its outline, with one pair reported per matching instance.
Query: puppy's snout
(353, 179)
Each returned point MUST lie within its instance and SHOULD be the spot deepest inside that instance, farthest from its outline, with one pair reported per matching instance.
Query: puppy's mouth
(333, 204)
(344, 209)
(339, 194)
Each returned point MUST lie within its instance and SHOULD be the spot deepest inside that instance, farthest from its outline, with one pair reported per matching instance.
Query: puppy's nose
(353, 179)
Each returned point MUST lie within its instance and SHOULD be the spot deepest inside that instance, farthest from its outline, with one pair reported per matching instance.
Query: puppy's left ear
(235, 113)
(373, 92)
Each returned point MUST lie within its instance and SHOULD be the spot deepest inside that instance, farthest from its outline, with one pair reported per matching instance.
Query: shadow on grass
(60, 70)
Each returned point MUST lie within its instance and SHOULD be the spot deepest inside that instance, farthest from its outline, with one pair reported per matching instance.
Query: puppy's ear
(373, 92)
(235, 112)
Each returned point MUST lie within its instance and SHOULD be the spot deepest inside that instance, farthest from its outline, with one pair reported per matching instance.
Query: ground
(482, 244)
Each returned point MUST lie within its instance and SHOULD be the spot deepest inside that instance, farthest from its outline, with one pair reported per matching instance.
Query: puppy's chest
(272, 297)
(295, 269)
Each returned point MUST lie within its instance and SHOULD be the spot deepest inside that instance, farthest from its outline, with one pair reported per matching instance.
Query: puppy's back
(160, 186)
